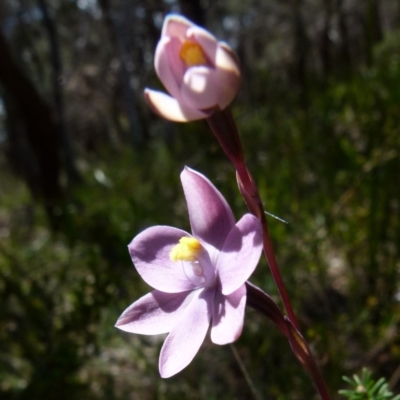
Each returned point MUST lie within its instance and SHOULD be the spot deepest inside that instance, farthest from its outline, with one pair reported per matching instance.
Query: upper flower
(198, 278)
(200, 73)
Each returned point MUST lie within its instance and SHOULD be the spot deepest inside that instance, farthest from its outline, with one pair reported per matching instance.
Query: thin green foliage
(364, 387)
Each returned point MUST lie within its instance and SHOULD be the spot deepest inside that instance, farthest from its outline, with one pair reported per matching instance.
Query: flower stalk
(224, 128)
(264, 304)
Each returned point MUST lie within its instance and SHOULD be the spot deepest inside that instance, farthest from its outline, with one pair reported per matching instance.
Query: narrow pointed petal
(227, 323)
(206, 40)
(155, 313)
(228, 87)
(198, 88)
(150, 253)
(240, 253)
(184, 341)
(169, 66)
(227, 75)
(169, 108)
(176, 25)
(226, 59)
(210, 216)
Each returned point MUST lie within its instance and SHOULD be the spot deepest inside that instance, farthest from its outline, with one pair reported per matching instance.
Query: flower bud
(201, 74)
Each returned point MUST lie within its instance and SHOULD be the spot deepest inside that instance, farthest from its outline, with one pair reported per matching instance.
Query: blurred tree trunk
(153, 31)
(20, 153)
(300, 43)
(193, 10)
(67, 152)
(325, 41)
(373, 27)
(375, 13)
(115, 21)
(31, 114)
(344, 36)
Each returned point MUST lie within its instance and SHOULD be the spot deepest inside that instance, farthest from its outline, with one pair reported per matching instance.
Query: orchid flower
(198, 279)
(200, 73)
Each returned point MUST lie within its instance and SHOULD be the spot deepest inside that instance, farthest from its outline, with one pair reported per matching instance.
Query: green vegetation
(365, 387)
(325, 152)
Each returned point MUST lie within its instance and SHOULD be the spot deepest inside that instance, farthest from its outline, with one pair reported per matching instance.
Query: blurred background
(85, 166)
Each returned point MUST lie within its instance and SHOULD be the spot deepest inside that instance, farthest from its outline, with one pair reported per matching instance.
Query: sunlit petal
(228, 317)
(184, 341)
(240, 253)
(150, 253)
(199, 88)
(155, 313)
(167, 107)
(210, 216)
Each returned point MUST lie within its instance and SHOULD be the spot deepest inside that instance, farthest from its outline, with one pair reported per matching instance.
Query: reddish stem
(263, 303)
(223, 126)
(270, 254)
(249, 187)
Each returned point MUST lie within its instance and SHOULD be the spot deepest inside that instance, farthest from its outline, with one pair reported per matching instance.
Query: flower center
(192, 54)
(186, 250)
(189, 250)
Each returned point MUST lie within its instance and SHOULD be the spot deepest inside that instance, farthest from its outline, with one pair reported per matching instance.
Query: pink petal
(150, 253)
(228, 86)
(200, 88)
(207, 41)
(185, 339)
(176, 26)
(226, 59)
(155, 313)
(169, 66)
(227, 75)
(210, 216)
(228, 317)
(240, 253)
(169, 108)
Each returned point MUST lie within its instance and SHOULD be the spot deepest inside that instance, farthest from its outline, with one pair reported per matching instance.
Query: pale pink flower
(200, 73)
(198, 279)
